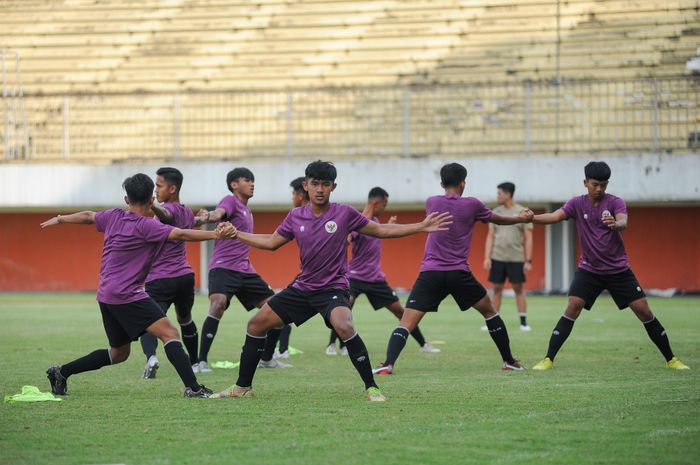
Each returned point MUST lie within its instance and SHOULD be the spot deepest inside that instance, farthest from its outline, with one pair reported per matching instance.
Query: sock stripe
(350, 338)
(172, 340)
(213, 317)
(256, 337)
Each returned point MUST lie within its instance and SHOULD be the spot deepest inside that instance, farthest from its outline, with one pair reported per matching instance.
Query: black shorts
(379, 293)
(432, 287)
(178, 291)
(513, 271)
(623, 287)
(295, 306)
(127, 322)
(250, 289)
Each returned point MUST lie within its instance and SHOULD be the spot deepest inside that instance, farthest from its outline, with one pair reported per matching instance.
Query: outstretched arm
(204, 216)
(163, 215)
(86, 217)
(262, 241)
(222, 231)
(488, 248)
(525, 216)
(431, 223)
(550, 218)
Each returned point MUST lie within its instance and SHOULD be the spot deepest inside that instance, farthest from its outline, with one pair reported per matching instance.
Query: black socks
(250, 356)
(499, 334)
(657, 334)
(179, 359)
(92, 361)
(360, 359)
(211, 324)
(190, 340)
(273, 336)
(397, 342)
(559, 334)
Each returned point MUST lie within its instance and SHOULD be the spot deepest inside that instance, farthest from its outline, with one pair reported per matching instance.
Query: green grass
(610, 398)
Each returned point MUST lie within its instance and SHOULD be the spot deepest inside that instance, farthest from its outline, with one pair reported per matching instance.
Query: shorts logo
(331, 227)
(301, 229)
(639, 289)
(335, 297)
(585, 216)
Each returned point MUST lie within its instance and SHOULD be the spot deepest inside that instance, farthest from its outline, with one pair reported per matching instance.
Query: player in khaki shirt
(508, 253)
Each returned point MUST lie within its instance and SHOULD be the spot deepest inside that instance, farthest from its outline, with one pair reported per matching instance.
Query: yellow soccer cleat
(233, 391)
(676, 364)
(545, 364)
(375, 395)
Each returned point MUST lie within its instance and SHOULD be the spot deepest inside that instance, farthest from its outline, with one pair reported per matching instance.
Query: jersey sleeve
(619, 206)
(482, 212)
(286, 229)
(154, 231)
(570, 208)
(356, 220)
(102, 219)
(228, 205)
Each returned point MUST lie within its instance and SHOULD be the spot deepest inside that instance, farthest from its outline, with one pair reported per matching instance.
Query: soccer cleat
(514, 366)
(59, 384)
(278, 355)
(233, 391)
(429, 348)
(331, 350)
(152, 365)
(525, 328)
(343, 351)
(375, 395)
(195, 368)
(204, 367)
(273, 364)
(204, 392)
(676, 364)
(383, 370)
(545, 364)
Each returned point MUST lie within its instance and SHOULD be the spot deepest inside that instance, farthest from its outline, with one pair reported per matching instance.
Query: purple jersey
(603, 250)
(171, 262)
(131, 243)
(233, 255)
(322, 244)
(449, 250)
(366, 255)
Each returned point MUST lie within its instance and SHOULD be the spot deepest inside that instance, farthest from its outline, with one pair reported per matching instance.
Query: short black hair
(377, 193)
(172, 176)
(452, 174)
(139, 188)
(321, 170)
(507, 187)
(297, 185)
(237, 173)
(598, 170)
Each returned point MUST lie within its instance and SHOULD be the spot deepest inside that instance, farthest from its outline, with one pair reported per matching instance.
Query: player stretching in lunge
(171, 279)
(321, 230)
(600, 218)
(366, 275)
(230, 270)
(131, 242)
(445, 271)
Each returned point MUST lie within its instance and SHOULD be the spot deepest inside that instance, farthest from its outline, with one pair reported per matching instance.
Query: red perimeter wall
(663, 245)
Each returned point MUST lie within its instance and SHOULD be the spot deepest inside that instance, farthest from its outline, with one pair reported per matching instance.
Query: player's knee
(345, 329)
(573, 309)
(498, 289)
(258, 327)
(517, 289)
(217, 306)
(119, 354)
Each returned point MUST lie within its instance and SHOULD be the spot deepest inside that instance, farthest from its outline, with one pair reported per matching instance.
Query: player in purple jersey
(366, 275)
(600, 219)
(445, 269)
(299, 198)
(230, 271)
(131, 243)
(171, 279)
(320, 229)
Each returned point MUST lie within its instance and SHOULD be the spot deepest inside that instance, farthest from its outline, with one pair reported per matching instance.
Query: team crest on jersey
(331, 227)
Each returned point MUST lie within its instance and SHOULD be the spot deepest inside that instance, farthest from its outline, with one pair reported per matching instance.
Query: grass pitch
(609, 400)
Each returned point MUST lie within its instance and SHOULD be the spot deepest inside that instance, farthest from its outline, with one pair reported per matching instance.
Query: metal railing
(652, 115)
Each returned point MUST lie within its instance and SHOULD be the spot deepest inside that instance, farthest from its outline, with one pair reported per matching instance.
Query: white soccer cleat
(343, 350)
(429, 348)
(525, 328)
(331, 350)
(277, 354)
(204, 367)
(273, 364)
(195, 368)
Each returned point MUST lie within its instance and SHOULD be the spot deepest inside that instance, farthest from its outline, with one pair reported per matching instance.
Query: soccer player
(230, 270)
(600, 219)
(508, 253)
(445, 270)
(366, 275)
(299, 198)
(321, 230)
(171, 279)
(132, 241)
